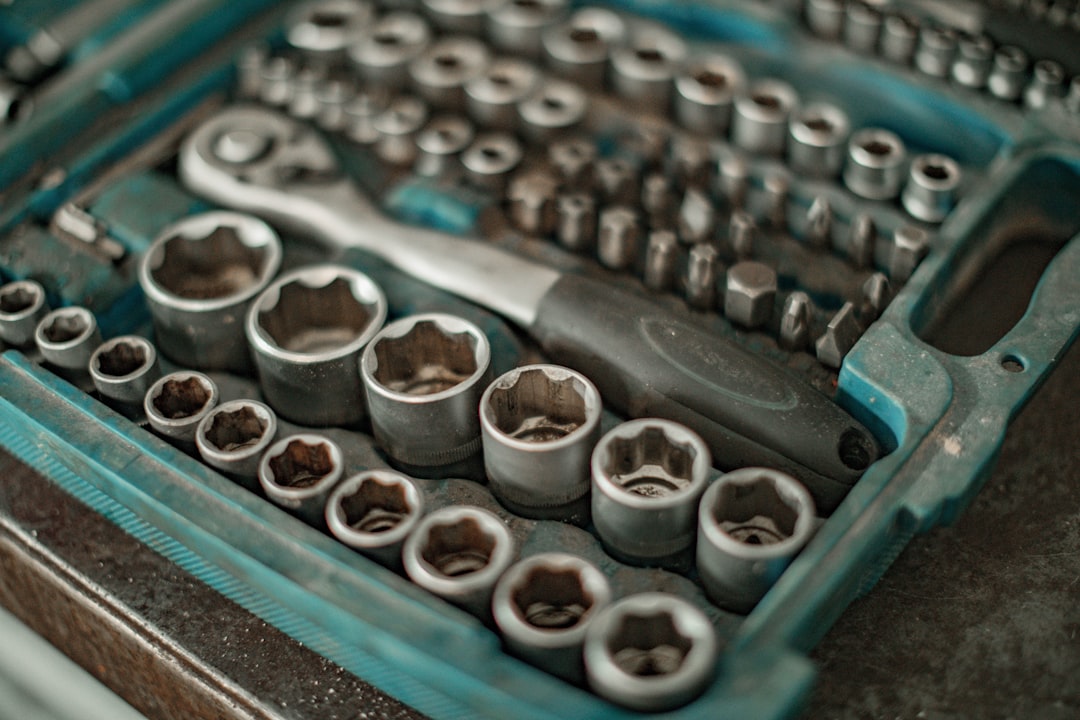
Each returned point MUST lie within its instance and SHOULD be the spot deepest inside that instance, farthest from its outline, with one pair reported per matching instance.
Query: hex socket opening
(66, 326)
(376, 506)
(537, 407)
(755, 513)
(235, 430)
(648, 644)
(550, 598)
(428, 359)
(19, 297)
(650, 464)
(179, 398)
(210, 266)
(459, 547)
(301, 464)
(314, 319)
(121, 358)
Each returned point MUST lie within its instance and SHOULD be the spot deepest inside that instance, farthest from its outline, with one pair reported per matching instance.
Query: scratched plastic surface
(939, 404)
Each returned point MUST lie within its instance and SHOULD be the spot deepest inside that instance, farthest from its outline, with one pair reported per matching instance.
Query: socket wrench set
(530, 358)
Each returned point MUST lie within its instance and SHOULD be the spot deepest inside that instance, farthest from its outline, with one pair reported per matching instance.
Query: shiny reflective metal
(123, 369)
(323, 29)
(517, 26)
(233, 436)
(530, 198)
(861, 239)
(491, 159)
(458, 16)
(382, 56)
(760, 121)
(299, 471)
(66, 338)
(1008, 76)
(440, 72)
(374, 512)
(440, 144)
(817, 141)
(752, 522)
(551, 109)
(825, 18)
(650, 652)
(539, 425)
(862, 26)
(795, 321)
(1047, 83)
(578, 49)
(899, 36)
(661, 260)
(177, 403)
(643, 70)
(876, 164)
(395, 129)
(840, 336)
(22, 306)
(705, 91)
(576, 222)
(701, 276)
(750, 292)
(543, 606)
(931, 188)
(974, 59)
(202, 272)
(492, 97)
(936, 50)
(423, 377)
(618, 237)
(907, 247)
(459, 553)
(306, 332)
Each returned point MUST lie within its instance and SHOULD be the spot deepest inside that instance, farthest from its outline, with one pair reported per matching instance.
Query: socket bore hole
(328, 19)
(16, 299)
(236, 430)
(387, 37)
(648, 645)
(180, 399)
(447, 61)
(855, 449)
(376, 507)
(312, 320)
(755, 513)
(123, 358)
(650, 464)
(711, 79)
(552, 599)
(1013, 364)
(878, 148)
(584, 36)
(766, 100)
(425, 360)
(538, 408)
(935, 171)
(65, 328)
(213, 266)
(302, 465)
(819, 124)
(649, 55)
(458, 548)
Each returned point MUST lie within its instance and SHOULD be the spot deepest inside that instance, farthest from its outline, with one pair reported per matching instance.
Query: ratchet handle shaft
(749, 411)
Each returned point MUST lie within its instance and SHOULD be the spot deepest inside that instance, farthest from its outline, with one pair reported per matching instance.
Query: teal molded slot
(711, 22)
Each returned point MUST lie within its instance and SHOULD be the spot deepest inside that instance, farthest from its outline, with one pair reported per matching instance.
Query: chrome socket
(931, 187)
(862, 27)
(517, 26)
(875, 164)
(233, 436)
(650, 652)
(705, 91)
(306, 332)
(1008, 76)
(935, 51)
(643, 70)
(177, 403)
(201, 274)
(22, 306)
(825, 18)
(760, 121)
(424, 376)
(124, 368)
(554, 107)
(974, 59)
(578, 49)
(539, 425)
(458, 16)
(647, 478)
(492, 97)
(899, 36)
(394, 130)
(490, 160)
(382, 56)
(458, 553)
(323, 29)
(1047, 83)
(361, 112)
(374, 512)
(66, 338)
(530, 200)
(752, 522)
(276, 81)
(439, 74)
(299, 472)
(440, 144)
(543, 606)
(817, 141)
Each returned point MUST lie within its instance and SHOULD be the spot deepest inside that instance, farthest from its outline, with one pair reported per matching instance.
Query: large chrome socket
(124, 368)
(539, 424)
(199, 276)
(650, 652)
(233, 437)
(374, 512)
(751, 523)
(22, 305)
(543, 606)
(459, 553)
(177, 403)
(424, 376)
(306, 332)
(299, 472)
(647, 478)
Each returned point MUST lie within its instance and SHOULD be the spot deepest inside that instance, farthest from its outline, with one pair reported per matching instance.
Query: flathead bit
(874, 295)
(531, 199)
(701, 277)
(741, 231)
(840, 336)
(697, 217)
(862, 235)
(661, 260)
(617, 246)
(795, 321)
(576, 223)
(819, 223)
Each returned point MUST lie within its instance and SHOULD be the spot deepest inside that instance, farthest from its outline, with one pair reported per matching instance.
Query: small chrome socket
(643, 70)
(752, 522)
(424, 376)
(931, 188)
(862, 27)
(439, 73)
(177, 403)
(306, 332)
(491, 159)
(440, 144)
(705, 91)
(974, 60)
(321, 30)
(647, 478)
(1008, 76)
(22, 306)
(458, 16)
(233, 436)
(299, 472)
(825, 18)
(554, 107)
(760, 121)
(578, 49)
(374, 512)
(199, 277)
(517, 26)
(492, 97)
(936, 50)
(458, 553)
(650, 652)
(393, 129)
(817, 141)
(382, 56)
(899, 36)
(543, 606)
(539, 425)
(124, 368)
(875, 165)
(66, 338)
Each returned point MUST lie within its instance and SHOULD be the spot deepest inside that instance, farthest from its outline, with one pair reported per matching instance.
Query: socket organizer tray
(838, 241)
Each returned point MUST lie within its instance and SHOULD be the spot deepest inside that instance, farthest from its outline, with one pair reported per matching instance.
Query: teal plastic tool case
(89, 178)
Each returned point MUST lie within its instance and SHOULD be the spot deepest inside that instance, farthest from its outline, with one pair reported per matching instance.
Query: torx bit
(618, 237)
(795, 321)
(661, 260)
(701, 277)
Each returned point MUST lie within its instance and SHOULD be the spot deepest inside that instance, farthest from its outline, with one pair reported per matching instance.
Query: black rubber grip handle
(748, 410)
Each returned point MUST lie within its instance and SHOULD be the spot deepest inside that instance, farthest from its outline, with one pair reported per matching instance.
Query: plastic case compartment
(938, 400)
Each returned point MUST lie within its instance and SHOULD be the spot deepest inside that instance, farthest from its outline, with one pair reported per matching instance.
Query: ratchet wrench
(645, 362)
